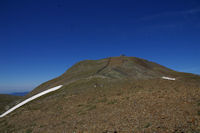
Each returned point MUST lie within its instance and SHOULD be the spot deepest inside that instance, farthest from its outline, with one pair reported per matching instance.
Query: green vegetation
(90, 107)
(102, 100)
(198, 103)
(29, 131)
(84, 108)
(147, 125)
(113, 101)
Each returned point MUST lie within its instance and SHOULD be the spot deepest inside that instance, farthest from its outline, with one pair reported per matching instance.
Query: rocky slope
(114, 68)
(118, 94)
(6, 101)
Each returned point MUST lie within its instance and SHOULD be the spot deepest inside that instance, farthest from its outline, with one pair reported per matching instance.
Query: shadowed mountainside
(6, 100)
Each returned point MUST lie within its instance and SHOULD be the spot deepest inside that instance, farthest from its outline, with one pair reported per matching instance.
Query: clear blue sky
(41, 39)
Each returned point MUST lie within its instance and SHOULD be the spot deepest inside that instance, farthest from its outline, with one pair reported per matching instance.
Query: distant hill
(116, 94)
(19, 93)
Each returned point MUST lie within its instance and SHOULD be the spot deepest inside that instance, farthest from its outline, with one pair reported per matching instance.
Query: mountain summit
(113, 68)
(116, 94)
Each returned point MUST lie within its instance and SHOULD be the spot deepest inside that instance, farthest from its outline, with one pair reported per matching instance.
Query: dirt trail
(107, 64)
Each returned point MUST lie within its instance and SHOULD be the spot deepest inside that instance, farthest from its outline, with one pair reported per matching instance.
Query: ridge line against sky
(40, 40)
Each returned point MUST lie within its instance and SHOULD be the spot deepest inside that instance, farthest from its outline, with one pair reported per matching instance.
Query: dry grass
(89, 103)
(135, 105)
(6, 100)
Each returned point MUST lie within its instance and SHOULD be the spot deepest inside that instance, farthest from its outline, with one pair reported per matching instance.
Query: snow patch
(168, 78)
(30, 99)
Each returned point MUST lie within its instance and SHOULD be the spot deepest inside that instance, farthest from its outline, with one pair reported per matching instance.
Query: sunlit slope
(122, 94)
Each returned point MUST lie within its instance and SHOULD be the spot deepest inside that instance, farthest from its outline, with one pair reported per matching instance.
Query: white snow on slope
(168, 78)
(30, 99)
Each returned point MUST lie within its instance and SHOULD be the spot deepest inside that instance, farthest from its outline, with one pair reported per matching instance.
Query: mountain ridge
(117, 94)
(101, 68)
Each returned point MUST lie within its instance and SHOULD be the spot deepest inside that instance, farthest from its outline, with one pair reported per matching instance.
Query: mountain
(115, 68)
(116, 94)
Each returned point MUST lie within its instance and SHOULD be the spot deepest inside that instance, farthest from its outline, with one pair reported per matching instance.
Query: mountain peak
(111, 68)
(100, 95)
(118, 68)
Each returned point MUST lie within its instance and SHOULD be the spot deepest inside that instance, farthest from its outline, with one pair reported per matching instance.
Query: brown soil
(6, 101)
(101, 104)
